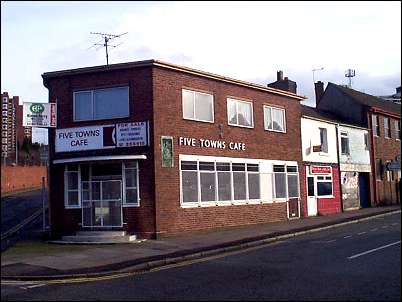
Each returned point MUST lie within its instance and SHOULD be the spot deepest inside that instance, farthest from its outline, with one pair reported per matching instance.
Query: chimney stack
(319, 91)
(283, 83)
(279, 75)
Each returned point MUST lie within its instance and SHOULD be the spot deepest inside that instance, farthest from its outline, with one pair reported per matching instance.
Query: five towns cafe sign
(215, 144)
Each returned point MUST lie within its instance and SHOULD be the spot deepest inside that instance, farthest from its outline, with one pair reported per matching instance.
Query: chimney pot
(279, 75)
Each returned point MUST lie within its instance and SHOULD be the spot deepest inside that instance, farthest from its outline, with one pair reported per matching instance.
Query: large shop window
(198, 106)
(274, 119)
(78, 178)
(324, 186)
(286, 181)
(240, 113)
(205, 182)
(101, 104)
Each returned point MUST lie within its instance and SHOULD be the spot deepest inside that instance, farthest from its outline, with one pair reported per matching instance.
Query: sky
(248, 41)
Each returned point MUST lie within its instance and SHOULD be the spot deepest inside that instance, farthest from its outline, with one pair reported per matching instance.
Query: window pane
(323, 138)
(223, 166)
(109, 103)
(207, 166)
(345, 145)
(324, 188)
(252, 167)
(130, 164)
(72, 180)
(131, 196)
(253, 186)
(232, 112)
(267, 118)
(239, 184)
(203, 107)
(207, 186)
(244, 113)
(293, 186)
(131, 178)
(190, 186)
(278, 120)
(280, 185)
(224, 187)
(189, 165)
(73, 198)
(83, 105)
(188, 104)
(291, 169)
(279, 168)
(238, 167)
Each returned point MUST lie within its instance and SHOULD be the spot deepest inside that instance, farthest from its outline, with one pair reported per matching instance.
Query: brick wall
(17, 178)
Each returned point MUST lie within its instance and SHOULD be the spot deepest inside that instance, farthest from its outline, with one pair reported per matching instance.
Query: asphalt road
(14, 210)
(360, 261)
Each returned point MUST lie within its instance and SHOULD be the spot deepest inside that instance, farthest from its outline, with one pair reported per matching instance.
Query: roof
(48, 75)
(369, 100)
(330, 117)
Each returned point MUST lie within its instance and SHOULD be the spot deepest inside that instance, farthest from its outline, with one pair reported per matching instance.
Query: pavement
(39, 260)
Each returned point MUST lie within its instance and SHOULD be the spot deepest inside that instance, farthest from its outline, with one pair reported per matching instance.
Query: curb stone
(193, 255)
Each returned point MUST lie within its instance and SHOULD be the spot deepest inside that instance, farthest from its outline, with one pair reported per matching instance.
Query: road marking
(373, 250)
(384, 226)
(33, 286)
(361, 233)
(373, 230)
(395, 223)
(347, 236)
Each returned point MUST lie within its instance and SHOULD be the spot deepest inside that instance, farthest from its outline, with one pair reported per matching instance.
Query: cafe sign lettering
(320, 169)
(214, 144)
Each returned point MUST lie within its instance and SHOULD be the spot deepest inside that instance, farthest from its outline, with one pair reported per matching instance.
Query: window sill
(72, 207)
(326, 196)
(241, 126)
(134, 205)
(277, 131)
(202, 121)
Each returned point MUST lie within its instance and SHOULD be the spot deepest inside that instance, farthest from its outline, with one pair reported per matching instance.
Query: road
(360, 261)
(14, 210)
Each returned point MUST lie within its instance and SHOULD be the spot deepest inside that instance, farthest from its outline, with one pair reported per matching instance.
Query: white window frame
(92, 104)
(397, 124)
(286, 198)
(325, 180)
(237, 101)
(284, 118)
(124, 201)
(387, 130)
(345, 135)
(194, 92)
(66, 190)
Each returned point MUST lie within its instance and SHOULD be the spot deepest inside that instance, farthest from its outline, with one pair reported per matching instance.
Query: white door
(311, 199)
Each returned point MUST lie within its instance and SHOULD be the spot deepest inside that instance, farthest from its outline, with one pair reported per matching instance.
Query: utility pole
(107, 38)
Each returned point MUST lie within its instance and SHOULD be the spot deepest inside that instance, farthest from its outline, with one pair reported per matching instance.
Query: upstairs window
(387, 128)
(324, 140)
(101, 104)
(345, 143)
(240, 113)
(274, 119)
(398, 129)
(376, 124)
(197, 106)
(366, 141)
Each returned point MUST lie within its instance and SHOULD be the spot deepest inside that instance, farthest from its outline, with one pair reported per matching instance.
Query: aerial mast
(107, 38)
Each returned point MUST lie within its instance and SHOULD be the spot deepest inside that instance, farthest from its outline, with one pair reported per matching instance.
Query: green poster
(167, 151)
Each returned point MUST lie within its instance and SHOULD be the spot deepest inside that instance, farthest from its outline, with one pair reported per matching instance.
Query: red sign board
(320, 169)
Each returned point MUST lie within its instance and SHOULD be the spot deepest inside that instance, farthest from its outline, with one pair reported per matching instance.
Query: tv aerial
(106, 38)
(350, 73)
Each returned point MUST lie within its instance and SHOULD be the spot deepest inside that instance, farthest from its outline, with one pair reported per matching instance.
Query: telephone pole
(107, 38)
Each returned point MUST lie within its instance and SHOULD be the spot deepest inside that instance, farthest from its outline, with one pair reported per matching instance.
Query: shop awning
(98, 158)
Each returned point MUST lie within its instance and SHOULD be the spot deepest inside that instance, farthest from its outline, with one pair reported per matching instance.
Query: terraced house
(157, 149)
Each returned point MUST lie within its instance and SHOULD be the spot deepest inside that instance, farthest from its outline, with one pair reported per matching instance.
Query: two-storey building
(383, 119)
(158, 149)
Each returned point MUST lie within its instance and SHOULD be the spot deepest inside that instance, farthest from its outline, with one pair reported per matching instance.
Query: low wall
(20, 178)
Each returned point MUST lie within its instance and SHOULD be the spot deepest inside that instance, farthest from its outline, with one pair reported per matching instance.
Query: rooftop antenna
(314, 70)
(107, 38)
(350, 73)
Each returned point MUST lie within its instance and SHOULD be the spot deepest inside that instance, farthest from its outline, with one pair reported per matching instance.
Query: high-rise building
(11, 127)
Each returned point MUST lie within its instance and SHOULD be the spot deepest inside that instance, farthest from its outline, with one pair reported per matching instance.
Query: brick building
(11, 127)
(383, 119)
(158, 149)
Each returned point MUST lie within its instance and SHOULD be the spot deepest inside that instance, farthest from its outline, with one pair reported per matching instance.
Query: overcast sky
(248, 41)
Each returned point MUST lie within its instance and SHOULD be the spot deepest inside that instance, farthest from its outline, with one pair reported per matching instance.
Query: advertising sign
(131, 134)
(39, 115)
(167, 151)
(85, 138)
(320, 169)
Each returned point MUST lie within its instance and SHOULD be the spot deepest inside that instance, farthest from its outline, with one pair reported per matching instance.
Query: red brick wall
(168, 121)
(17, 178)
(385, 149)
(325, 206)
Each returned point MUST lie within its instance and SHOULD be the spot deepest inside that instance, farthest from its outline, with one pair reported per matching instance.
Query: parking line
(373, 230)
(347, 236)
(373, 250)
(361, 233)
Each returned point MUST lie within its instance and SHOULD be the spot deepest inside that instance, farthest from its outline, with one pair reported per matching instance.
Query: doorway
(311, 198)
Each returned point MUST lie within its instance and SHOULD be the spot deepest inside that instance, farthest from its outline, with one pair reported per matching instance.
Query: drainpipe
(339, 164)
(373, 162)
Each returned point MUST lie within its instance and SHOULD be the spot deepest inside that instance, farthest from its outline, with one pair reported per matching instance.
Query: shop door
(311, 199)
(102, 203)
(364, 190)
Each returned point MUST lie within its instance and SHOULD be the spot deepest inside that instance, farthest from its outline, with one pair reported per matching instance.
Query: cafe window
(72, 181)
(286, 181)
(240, 113)
(274, 119)
(197, 106)
(324, 140)
(101, 104)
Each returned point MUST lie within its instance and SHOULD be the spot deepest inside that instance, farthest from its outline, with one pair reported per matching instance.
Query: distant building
(11, 127)
(396, 98)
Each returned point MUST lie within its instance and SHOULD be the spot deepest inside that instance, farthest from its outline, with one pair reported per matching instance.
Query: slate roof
(369, 100)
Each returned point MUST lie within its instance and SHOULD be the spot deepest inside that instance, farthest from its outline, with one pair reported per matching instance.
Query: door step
(99, 237)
